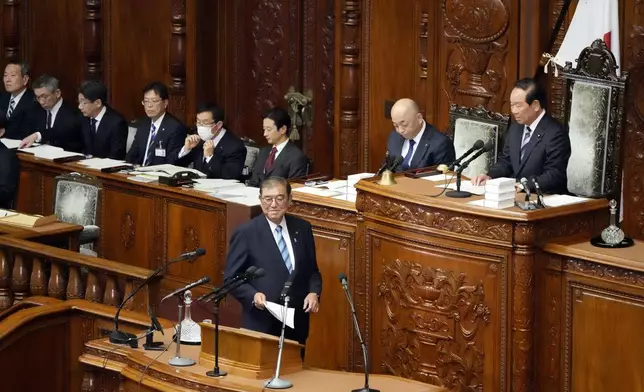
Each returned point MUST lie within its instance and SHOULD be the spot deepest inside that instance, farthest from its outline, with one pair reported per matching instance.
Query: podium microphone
(526, 188)
(539, 193)
(276, 382)
(182, 290)
(477, 146)
(385, 164)
(343, 280)
(119, 337)
(249, 274)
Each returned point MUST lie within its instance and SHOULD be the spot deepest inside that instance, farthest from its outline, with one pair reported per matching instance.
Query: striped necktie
(150, 149)
(526, 138)
(281, 244)
(12, 106)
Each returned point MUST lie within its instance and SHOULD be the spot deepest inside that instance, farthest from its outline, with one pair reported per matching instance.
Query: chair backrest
(594, 112)
(131, 132)
(251, 155)
(77, 198)
(467, 125)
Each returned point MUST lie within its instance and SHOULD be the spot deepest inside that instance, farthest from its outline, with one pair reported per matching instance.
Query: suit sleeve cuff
(183, 152)
(38, 137)
(207, 159)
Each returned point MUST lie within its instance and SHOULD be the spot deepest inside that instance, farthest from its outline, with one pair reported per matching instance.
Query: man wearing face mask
(214, 150)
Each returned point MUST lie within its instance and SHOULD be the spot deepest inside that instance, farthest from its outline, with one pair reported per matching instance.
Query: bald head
(406, 118)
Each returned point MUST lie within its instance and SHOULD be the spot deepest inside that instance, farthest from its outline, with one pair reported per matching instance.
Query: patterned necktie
(48, 119)
(92, 125)
(12, 105)
(410, 153)
(281, 244)
(526, 138)
(150, 149)
(270, 160)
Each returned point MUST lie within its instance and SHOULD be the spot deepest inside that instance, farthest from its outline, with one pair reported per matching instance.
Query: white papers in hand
(278, 312)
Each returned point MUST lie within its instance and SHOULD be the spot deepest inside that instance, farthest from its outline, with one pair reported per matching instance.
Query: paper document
(317, 191)
(562, 200)
(278, 312)
(13, 143)
(4, 213)
(336, 185)
(436, 177)
(168, 170)
(102, 163)
(467, 186)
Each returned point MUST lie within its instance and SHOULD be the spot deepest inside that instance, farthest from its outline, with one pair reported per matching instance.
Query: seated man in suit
(55, 122)
(536, 145)
(9, 175)
(214, 150)
(159, 137)
(17, 102)
(104, 129)
(282, 245)
(282, 158)
(419, 143)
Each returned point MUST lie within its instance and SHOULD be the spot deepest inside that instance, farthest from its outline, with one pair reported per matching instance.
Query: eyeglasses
(151, 102)
(44, 97)
(203, 124)
(268, 200)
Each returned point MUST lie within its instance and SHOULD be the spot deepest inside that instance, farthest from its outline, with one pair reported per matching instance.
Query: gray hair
(272, 182)
(49, 82)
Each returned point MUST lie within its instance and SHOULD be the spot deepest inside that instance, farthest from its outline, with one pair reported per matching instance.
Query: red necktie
(270, 160)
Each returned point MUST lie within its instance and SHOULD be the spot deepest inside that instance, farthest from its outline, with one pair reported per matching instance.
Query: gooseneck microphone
(182, 290)
(526, 188)
(489, 146)
(385, 164)
(345, 285)
(246, 278)
(397, 161)
(249, 272)
(477, 145)
(539, 193)
(287, 286)
(120, 337)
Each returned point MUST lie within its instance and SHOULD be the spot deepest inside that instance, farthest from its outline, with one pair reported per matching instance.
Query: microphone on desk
(119, 337)
(397, 161)
(526, 188)
(287, 285)
(182, 290)
(538, 191)
(477, 146)
(345, 285)
(385, 164)
(231, 280)
(232, 286)
(489, 146)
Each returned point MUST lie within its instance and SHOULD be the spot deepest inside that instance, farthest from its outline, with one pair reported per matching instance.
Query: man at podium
(284, 247)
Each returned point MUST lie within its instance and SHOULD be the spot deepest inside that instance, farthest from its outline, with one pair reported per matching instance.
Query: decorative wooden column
(178, 59)
(92, 39)
(11, 29)
(347, 129)
(6, 268)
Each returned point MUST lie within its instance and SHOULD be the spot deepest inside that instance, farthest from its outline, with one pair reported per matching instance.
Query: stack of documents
(103, 163)
(45, 151)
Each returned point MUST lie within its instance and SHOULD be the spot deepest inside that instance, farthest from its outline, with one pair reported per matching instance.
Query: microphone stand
(216, 372)
(458, 193)
(276, 382)
(178, 360)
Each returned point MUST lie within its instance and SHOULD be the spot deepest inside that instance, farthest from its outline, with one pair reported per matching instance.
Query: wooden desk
(137, 369)
(590, 303)
(444, 290)
(55, 234)
(145, 224)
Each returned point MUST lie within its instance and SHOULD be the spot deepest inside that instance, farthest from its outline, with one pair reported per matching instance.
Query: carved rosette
(426, 217)
(128, 230)
(476, 35)
(190, 239)
(431, 307)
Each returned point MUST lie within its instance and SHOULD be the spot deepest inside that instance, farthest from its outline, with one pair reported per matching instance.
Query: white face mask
(205, 133)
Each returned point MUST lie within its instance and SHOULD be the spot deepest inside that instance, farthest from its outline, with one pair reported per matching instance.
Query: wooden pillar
(11, 30)
(347, 143)
(92, 39)
(178, 59)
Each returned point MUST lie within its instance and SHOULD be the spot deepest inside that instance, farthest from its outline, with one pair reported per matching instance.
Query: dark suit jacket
(253, 244)
(170, 136)
(18, 126)
(434, 148)
(65, 131)
(9, 176)
(291, 162)
(546, 156)
(110, 139)
(227, 161)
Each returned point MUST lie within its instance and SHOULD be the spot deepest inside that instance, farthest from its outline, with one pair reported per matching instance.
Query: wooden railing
(28, 268)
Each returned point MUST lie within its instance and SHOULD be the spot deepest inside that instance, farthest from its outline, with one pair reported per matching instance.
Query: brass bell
(387, 178)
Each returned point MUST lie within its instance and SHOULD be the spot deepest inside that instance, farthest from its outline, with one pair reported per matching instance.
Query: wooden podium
(247, 353)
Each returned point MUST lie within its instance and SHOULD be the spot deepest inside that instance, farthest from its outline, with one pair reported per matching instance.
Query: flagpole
(553, 37)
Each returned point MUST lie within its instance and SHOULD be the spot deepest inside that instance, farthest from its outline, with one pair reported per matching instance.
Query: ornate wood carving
(268, 34)
(322, 212)
(92, 40)
(422, 36)
(89, 381)
(347, 134)
(178, 59)
(190, 239)
(459, 223)
(328, 47)
(128, 229)
(430, 306)
(11, 30)
(478, 44)
(633, 61)
(557, 85)
(604, 272)
(564, 227)
(552, 322)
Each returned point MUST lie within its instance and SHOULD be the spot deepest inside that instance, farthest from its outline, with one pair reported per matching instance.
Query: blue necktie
(525, 141)
(410, 153)
(148, 156)
(281, 244)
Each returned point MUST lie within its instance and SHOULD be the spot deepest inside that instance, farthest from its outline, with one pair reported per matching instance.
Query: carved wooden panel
(128, 223)
(335, 254)
(189, 227)
(439, 313)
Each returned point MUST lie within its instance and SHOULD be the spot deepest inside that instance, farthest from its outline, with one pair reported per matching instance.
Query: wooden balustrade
(28, 269)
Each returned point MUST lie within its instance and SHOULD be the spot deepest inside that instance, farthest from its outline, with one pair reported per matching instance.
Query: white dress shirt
(99, 117)
(54, 112)
(157, 126)
(417, 139)
(287, 239)
(215, 142)
(16, 98)
(280, 147)
(533, 126)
